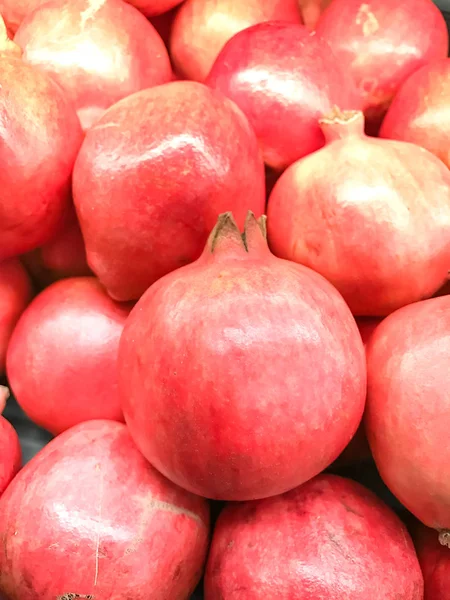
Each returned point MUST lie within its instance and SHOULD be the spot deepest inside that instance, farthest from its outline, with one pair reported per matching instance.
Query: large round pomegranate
(10, 452)
(39, 140)
(152, 177)
(61, 360)
(203, 27)
(241, 375)
(381, 43)
(419, 112)
(88, 517)
(357, 211)
(434, 559)
(408, 407)
(62, 256)
(284, 78)
(99, 51)
(15, 293)
(330, 538)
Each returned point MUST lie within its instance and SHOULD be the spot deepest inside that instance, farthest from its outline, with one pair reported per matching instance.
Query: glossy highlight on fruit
(380, 43)
(88, 517)
(162, 164)
(241, 375)
(366, 214)
(99, 51)
(284, 78)
(314, 542)
(61, 361)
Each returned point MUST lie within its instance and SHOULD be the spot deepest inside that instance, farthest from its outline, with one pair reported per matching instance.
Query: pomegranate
(381, 44)
(408, 408)
(15, 293)
(39, 140)
(419, 112)
(203, 27)
(88, 517)
(435, 562)
(356, 212)
(10, 452)
(62, 256)
(206, 372)
(61, 360)
(358, 450)
(284, 78)
(152, 177)
(329, 538)
(99, 51)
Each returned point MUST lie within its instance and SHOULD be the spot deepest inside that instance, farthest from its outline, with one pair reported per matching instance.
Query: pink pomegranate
(206, 370)
(88, 517)
(99, 51)
(10, 452)
(62, 256)
(203, 27)
(408, 408)
(434, 559)
(61, 360)
(328, 539)
(39, 141)
(419, 112)
(356, 212)
(152, 177)
(381, 44)
(284, 78)
(15, 293)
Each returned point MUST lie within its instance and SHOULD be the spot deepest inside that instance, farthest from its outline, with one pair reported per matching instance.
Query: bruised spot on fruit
(72, 596)
(350, 509)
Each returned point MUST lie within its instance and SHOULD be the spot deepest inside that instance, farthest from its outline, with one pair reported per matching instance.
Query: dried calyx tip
(336, 115)
(444, 537)
(226, 227)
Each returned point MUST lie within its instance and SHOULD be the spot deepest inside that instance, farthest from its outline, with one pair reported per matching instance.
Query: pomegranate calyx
(339, 124)
(444, 537)
(226, 234)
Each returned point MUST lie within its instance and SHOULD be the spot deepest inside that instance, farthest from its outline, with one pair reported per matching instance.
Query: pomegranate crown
(226, 233)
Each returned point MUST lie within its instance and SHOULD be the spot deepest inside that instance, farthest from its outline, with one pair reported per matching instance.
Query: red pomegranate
(358, 450)
(61, 360)
(10, 452)
(434, 559)
(62, 256)
(284, 78)
(328, 539)
(203, 27)
(152, 177)
(99, 51)
(381, 44)
(241, 375)
(420, 111)
(39, 141)
(358, 210)
(88, 517)
(408, 407)
(15, 293)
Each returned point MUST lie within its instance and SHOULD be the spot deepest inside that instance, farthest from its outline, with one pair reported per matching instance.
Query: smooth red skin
(10, 453)
(284, 78)
(89, 515)
(99, 51)
(420, 111)
(152, 177)
(40, 136)
(381, 43)
(15, 293)
(435, 562)
(408, 407)
(61, 361)
(63, 256)
(203, 27)
(241, 375)
(328, 539)
(357, 211)
(358, 449)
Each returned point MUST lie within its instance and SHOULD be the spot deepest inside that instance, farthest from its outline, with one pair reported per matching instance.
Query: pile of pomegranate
(225, 299)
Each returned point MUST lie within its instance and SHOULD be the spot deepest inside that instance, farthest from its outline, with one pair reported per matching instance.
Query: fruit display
(224, 300)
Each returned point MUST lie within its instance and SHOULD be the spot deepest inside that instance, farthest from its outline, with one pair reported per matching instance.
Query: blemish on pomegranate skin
(72, 596)
(367, 20)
